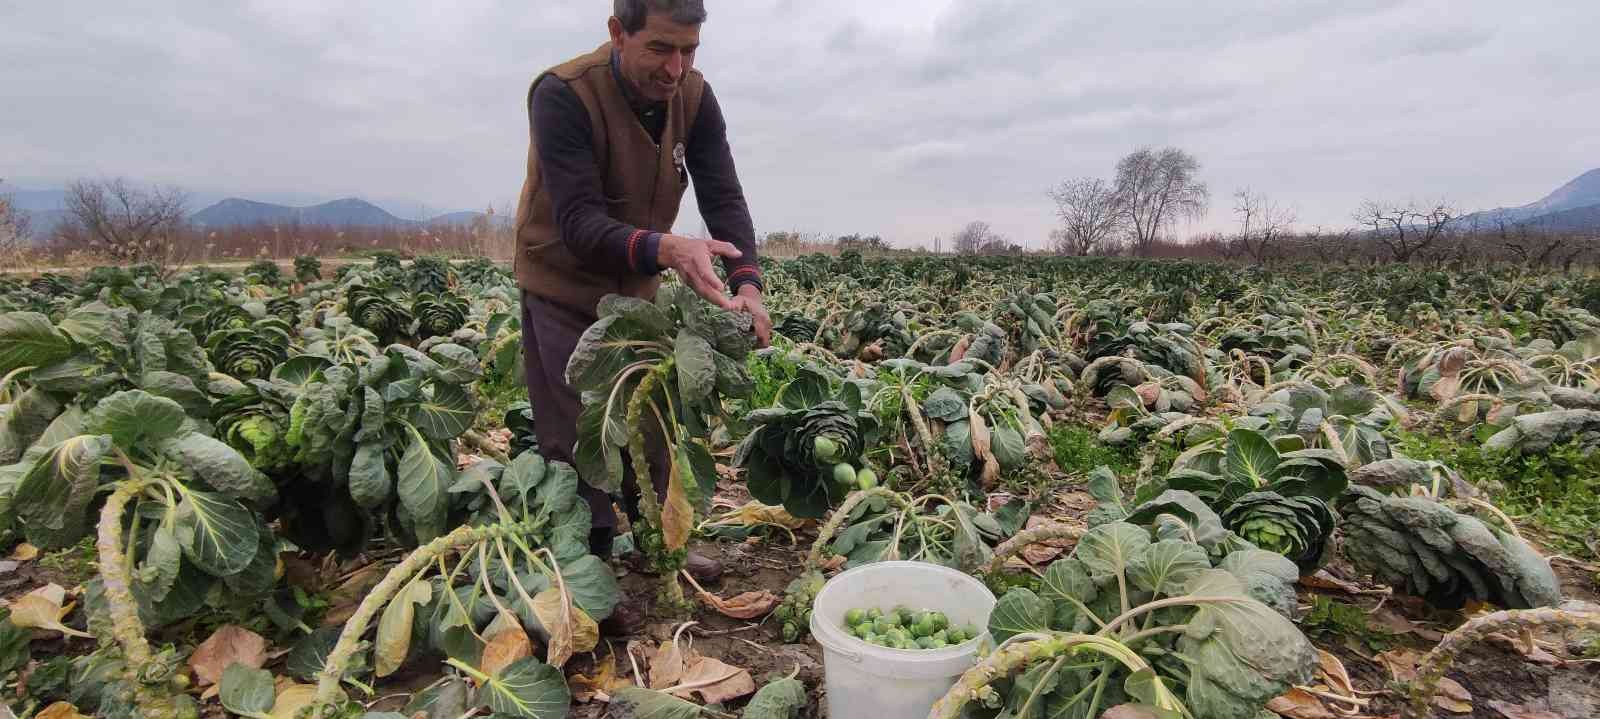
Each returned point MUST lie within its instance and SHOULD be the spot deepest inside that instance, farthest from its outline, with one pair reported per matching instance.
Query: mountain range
(47, 210)
(1572, 207)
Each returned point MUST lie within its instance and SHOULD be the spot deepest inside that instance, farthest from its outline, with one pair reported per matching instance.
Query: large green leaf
(638, 703)
(158, 571)
(1165, 567)
(1020, 611)
(1108, 549)
(592, 585)
(1251, 458)
(370, 485)
(134, 416)
(446, 414)
(697, 370)
(259, 576)
(602, 352)
(246, 691)
(781, 699)
(95, 323)
(218, 534)
(529, 689)
(219, 466)
(28, 339)
(52, 500)
(1241, 652)
(457, 365)
(25, 422)
(423, 482)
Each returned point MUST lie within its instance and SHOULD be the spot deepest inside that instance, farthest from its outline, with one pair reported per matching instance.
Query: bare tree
(1090, 215)
(978, 238)
(1157, 187)
(1406, 230)
(16, 227)
(1262, 224)
(128, 223)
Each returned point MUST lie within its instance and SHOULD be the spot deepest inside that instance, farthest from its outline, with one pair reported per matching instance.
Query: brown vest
(641, 184)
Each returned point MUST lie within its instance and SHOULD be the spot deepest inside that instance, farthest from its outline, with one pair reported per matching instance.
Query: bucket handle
(854, 657)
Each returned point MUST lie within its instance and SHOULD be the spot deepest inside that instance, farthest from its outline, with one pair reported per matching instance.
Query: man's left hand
(748, 300)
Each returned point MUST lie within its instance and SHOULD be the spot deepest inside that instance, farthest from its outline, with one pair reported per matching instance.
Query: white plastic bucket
(866, 681)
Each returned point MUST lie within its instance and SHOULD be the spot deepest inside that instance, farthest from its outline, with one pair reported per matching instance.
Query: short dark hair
(634, 13)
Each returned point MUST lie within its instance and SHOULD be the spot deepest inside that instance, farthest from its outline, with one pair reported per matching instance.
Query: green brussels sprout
(825, 449)
(940, 621)
(854, 617)
(866, 479)
(843, 473)
(927, 643)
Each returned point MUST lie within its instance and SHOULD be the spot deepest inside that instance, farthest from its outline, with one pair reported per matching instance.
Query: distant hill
(465, 218)
(348, 212)
(1573, 206)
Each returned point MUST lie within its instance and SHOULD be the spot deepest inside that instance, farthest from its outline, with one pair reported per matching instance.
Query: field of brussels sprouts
(1197, 490)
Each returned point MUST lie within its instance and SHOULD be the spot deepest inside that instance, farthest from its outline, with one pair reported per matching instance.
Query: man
(616, 135)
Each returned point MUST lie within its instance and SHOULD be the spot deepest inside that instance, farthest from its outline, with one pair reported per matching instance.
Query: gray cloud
(900, 117)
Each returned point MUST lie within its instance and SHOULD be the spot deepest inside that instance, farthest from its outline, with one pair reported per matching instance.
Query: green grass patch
(1330, 620)
(1077, 452)
(1558, 492)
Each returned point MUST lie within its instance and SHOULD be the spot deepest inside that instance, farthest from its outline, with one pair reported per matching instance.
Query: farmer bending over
(616, 135)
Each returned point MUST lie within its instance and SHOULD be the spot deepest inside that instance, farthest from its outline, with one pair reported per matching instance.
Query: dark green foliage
(1423, 548)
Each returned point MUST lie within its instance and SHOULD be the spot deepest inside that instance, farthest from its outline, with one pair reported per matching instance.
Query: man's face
(656, 58)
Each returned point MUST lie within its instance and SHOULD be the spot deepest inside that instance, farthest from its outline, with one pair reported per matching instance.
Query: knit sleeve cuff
(745, 275)
(644, 248)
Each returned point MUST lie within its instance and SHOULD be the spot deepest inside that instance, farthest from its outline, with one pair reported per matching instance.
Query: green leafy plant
(659, 371)
(1140, 616)
(1424, 548)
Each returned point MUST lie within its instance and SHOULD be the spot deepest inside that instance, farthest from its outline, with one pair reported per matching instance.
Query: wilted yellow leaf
(571, 629)
(59, 710)
(292, 697)
(41, 609)
(394, 628)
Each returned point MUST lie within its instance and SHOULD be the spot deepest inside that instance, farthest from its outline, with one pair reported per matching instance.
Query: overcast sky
(905, 118)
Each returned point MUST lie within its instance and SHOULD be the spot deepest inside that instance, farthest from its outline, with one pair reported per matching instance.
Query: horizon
(1318, 105)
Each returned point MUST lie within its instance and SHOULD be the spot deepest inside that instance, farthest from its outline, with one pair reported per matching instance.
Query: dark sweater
(570, 172)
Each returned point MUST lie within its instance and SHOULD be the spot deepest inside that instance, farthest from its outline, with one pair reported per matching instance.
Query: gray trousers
(549, 334)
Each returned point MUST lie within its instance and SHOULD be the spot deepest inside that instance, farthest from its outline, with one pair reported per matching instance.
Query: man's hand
(749, 301)
(691, 257)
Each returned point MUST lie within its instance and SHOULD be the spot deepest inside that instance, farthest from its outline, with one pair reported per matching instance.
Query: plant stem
(1023, 539)
(1433, 666)
(419, 560)
(842, 514)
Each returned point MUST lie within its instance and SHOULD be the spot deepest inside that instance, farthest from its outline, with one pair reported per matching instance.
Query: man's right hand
(691, 257)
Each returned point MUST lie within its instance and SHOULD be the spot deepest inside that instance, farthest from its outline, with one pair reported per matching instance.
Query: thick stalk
(841, 514)
(419, 560)
(1515, 622)
(154, 699)
(1012, 658)
(650, 504)
(1043, 533)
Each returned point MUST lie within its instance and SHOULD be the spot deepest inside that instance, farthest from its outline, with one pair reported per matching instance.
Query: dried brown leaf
(1334, 673)
(1452, 697)
(749, 605)
(666, 666)
(1325, 581)
(225, 646)
(715, 681)
(24, 553)
(1298, 703)
(507, 643)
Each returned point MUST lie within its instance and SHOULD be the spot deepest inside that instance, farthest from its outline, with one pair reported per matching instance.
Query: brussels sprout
(940, 621)
(854, 617)
(825, 449)
(866, 479)
(843, 473)
(882, 625)
(927, 643)
(924, 628)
